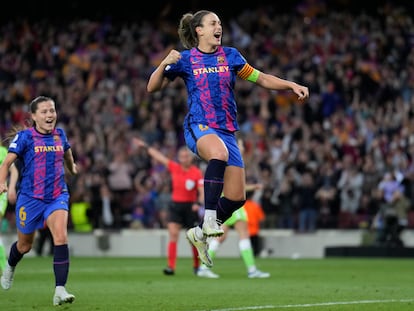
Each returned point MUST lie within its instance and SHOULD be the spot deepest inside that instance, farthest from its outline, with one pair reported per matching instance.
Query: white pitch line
(307, 305)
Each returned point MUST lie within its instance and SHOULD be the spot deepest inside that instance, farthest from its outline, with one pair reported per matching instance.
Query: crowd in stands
(343, 159)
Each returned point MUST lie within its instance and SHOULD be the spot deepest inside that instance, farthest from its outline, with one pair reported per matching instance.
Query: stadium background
(122, 11)
(108, 282)
(174, 9)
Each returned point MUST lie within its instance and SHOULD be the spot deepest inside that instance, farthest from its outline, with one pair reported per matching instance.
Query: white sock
(251, 269)
(213, 245)
(245, 244)
(210, 213)
(59, 289)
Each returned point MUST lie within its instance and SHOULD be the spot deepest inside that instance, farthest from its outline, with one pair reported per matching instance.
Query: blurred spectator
(327, 196)
(360, 80)
(369, 201)
(142, 206)
(349, 186)
(162, 202)
(308, 209)
(120, 182)
(286, 208)
(100, 196)
(392, 216)
(267, 199)
(331, 100)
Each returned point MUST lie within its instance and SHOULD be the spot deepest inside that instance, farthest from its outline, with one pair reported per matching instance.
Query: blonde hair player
(209, 71)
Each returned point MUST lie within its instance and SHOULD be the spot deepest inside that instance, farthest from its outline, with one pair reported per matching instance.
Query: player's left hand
(301, 91)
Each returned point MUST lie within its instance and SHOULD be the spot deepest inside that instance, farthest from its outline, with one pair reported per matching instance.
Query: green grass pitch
(119, 284)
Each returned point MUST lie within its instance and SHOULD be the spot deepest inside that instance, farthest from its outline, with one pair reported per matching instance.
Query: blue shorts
(32, 213)
(194, 132)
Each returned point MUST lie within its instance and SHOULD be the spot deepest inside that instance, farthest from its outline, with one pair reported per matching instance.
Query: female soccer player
(209, 71)
(42, 152)
(187, 192)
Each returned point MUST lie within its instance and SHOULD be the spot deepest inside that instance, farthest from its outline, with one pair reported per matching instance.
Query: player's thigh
(211, 146)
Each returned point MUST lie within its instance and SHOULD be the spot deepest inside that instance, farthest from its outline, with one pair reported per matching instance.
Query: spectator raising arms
(209, 71)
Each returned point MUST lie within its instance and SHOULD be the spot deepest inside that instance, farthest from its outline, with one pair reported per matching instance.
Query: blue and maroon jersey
(210, 79)
(41, 162)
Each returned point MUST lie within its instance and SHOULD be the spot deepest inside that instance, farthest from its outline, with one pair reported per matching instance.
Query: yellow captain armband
(249, 73)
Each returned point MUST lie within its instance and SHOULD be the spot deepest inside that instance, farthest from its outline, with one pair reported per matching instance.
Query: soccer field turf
(138, 284)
